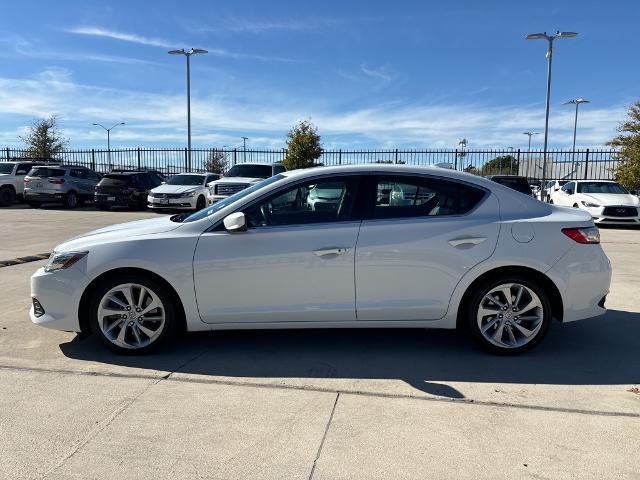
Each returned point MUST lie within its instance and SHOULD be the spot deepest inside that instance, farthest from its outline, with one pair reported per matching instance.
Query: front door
(418, 240)
(295, 262)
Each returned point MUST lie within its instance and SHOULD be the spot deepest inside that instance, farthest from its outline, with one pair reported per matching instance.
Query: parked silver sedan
(69, 185)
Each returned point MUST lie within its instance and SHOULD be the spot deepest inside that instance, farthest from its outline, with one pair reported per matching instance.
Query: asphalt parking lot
(340, 404)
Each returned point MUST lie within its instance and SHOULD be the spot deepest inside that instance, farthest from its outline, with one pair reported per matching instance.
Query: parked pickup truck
(12, 180)
(239, 177)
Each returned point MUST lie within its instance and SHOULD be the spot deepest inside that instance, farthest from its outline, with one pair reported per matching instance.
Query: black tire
(575, 205)
(103, 207)
(7, 196)
(169, 330)
(34, 204)
(201, 203)
(70, 200)
(485, 288)
(551, 202)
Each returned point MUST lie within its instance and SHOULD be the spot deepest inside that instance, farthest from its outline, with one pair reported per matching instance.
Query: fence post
(139, 163)
(455, 161)
(517, 163)
(7, 154)
(586, 164)
(340, 157)
(93, 159)
(234, 156)
(186, 160)
(396, 160)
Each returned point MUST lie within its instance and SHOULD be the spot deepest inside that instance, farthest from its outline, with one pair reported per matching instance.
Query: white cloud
(125, 37)
(157, 118)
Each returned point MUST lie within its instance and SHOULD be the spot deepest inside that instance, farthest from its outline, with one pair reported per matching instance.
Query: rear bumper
(583, 276)
(106, 199)
(30, 196)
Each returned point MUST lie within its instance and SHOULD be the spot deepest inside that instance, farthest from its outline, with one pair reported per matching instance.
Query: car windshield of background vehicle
(6, 168)
(229, 200)
(519, 184)
(191, 180)
(600, 187)
(250, 171)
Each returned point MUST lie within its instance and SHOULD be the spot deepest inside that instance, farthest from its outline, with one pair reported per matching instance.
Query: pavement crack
(324, 437)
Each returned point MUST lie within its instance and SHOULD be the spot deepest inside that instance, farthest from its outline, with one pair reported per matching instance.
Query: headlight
(150, 195)
(190, 194)
(63, 260)
(589, 204)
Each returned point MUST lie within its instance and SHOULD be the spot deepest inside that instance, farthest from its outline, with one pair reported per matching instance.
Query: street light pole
(549, 39)
(577, 102)
(108, 139)
(244, 148)
(193, 51)
(530, 134)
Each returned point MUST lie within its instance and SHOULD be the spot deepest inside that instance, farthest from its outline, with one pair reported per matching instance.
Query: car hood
(237, 180)
(605, 199)
(119, 232)
(176, 188)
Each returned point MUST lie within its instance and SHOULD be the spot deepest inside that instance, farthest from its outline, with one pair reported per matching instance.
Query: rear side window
(113, 180)
(78, 173)
(46, 172)
(398, 197)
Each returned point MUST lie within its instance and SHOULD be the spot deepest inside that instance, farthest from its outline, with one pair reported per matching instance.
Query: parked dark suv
(125, 189)
(515, 182)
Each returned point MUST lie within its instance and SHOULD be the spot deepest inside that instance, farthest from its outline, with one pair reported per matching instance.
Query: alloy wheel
(131, 316)
(510, 315)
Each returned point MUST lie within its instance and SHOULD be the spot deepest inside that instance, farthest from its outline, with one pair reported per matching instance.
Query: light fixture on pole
(530, 134)
(108, 139)
(577, 102)
(193, 51)
(549, 39)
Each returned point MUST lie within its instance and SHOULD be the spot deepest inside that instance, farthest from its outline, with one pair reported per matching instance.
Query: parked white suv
(241, 176)
(12, 180)
(606, 201)
(186, 191)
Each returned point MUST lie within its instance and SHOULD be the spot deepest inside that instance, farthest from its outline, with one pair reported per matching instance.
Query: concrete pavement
(318, 404)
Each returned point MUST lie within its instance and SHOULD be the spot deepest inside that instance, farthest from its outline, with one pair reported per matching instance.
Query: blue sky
(369, 74)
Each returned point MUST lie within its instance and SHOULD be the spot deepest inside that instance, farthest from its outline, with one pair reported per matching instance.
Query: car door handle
(466, 241)
(323, 252)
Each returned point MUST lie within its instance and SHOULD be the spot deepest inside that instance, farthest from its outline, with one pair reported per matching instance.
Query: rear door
(420, 236)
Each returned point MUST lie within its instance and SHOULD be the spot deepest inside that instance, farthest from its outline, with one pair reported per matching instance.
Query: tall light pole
(108, 139)
(530, 134)
(549, 39)
(193, 51)
(577, 102)
(244, 148)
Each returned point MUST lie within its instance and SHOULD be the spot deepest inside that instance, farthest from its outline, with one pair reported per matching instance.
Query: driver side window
(569, 188)
(316, 201)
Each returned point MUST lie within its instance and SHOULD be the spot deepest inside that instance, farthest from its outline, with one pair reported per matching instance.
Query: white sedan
(606, 201)
(456, 251)
(186, 191)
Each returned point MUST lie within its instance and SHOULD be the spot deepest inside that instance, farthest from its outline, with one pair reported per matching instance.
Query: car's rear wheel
(132, 314)
(7, 196)
(509, 315)
(70, 200)
(201, 203)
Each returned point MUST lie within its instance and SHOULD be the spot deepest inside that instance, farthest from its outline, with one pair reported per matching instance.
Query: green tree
(502, 165)
(628, 143)
(472, 169)
(303, 146)
(43, 139)
(216, 162)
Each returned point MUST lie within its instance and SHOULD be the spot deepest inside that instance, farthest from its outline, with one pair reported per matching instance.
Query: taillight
(56, 181)
(26, 180)
(583, 234)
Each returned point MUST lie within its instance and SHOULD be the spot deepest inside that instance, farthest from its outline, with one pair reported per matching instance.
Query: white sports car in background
(405, 247)
(606, 201)
(186, 191)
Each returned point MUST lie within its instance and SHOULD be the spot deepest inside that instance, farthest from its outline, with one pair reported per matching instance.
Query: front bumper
(211, 199)
(59, 295)
(599, 217)
(186, 203)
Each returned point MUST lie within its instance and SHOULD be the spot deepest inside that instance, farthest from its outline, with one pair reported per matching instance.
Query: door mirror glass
(236, 222)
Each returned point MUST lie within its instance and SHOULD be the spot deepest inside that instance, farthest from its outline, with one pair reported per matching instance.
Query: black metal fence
(580, 164)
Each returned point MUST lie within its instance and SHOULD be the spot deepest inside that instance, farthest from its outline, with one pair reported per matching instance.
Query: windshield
(233, 198)
(600, 187)
(250, 171)
(6, 168)
(186, 180)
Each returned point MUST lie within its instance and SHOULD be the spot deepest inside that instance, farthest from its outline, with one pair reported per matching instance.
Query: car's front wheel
(509, 315)
(132, 314)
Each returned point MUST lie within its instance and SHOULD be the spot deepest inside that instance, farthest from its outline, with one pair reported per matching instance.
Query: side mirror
(235, 223)
(633, 192)
(570, 192)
